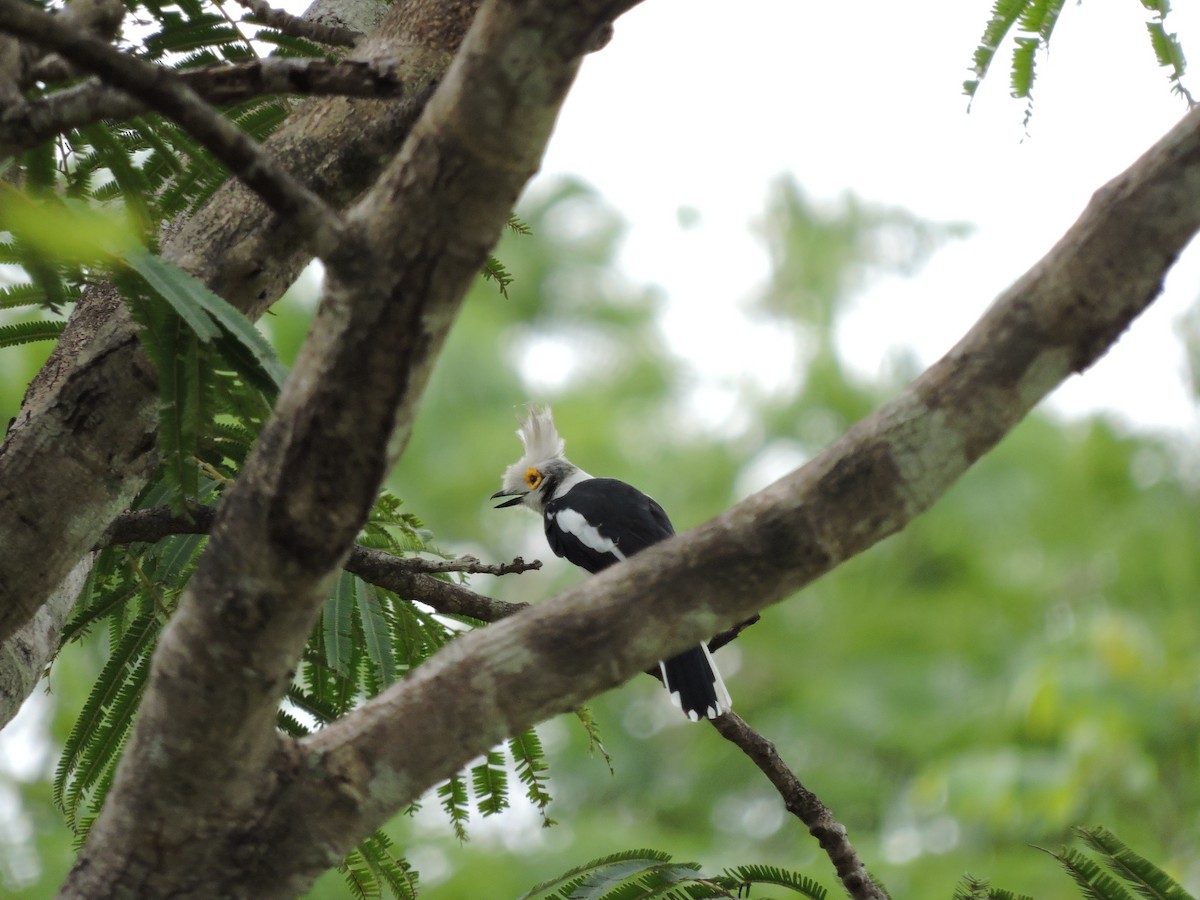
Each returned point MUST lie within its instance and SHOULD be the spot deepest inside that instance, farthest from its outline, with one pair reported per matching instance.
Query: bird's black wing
(602, 520)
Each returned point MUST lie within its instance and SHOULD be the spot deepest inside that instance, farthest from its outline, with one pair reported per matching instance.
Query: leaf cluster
(1031, 23)
(1115, 871)
(643, 874)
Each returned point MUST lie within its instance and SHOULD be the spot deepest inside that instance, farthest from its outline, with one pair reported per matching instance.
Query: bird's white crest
(538, 434)
(542, 444)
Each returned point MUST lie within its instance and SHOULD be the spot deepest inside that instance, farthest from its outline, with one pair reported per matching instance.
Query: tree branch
(92, 409)
(26, 125)
(888, 468)
(284, 21)
(421, 235)
(24, 657)
(804, 804)
(161, 90)
(407, 577)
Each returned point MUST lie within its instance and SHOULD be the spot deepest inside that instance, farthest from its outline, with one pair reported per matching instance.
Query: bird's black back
(617, 511)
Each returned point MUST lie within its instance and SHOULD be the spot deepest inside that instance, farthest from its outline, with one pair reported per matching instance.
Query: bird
(595, 523)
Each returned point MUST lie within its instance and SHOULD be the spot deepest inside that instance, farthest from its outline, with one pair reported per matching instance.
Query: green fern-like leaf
(1040, 16)
(135, 192)
(972, 888)
(490, 782)
(494, 270)
(595, 742)
(1167, 49)
(1093, 882)
(1143, 876)
(30, 332)
(337, 620)
(28, 294)
(669, 881)
(359, 878)
(453, 797)
(287, 45)
(290, 725)
(773, 875)
(517, 225)
(372, 866)
(393, 871)
(1005, 14)
(530, 761)
(1024, 63)
(643, 857)
(96, 739)
(308, 701)
(200, 31)
(375, 627)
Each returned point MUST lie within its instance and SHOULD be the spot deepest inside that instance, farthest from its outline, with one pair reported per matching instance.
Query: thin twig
(409, 577)
(332, 35)
(35, 121)
(164, 92)
(804, 804)
(469, 565)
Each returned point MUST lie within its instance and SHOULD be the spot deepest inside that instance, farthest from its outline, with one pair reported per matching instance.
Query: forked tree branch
(164, 92)
(408, 577)
(421, 234)
(97, 373)
(888, 468)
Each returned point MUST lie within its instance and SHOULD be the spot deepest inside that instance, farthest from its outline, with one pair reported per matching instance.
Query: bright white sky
(700, 104)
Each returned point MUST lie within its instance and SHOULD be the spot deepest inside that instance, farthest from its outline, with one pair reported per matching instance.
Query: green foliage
(1146, 879)
(91, 206)
(972, 888)
(29, 332)
(372, 866)
(493, 269)
(637, 874)
(1091, 880)
(1031, 23)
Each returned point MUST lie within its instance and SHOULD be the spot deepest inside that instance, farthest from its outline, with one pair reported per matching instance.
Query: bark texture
(205, 740)
(83, 443)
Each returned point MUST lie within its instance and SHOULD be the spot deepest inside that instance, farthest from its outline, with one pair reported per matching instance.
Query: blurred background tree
(1019, 660)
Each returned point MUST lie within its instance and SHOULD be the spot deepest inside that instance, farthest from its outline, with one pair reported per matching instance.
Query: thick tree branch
(888, 468)
(284, 21)
(24, 657)
(804, 804)
(165, 93)
(25, 125)
(282, 529)
(83, 443)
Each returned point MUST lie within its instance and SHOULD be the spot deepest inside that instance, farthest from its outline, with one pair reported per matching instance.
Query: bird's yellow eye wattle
(533, 478)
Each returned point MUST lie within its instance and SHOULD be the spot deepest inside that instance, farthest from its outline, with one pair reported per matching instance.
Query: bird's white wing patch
(573, 522)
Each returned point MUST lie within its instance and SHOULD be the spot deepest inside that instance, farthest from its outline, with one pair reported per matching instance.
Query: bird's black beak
(513, 502)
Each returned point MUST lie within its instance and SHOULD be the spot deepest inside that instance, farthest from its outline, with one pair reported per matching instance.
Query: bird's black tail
(695, 685)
